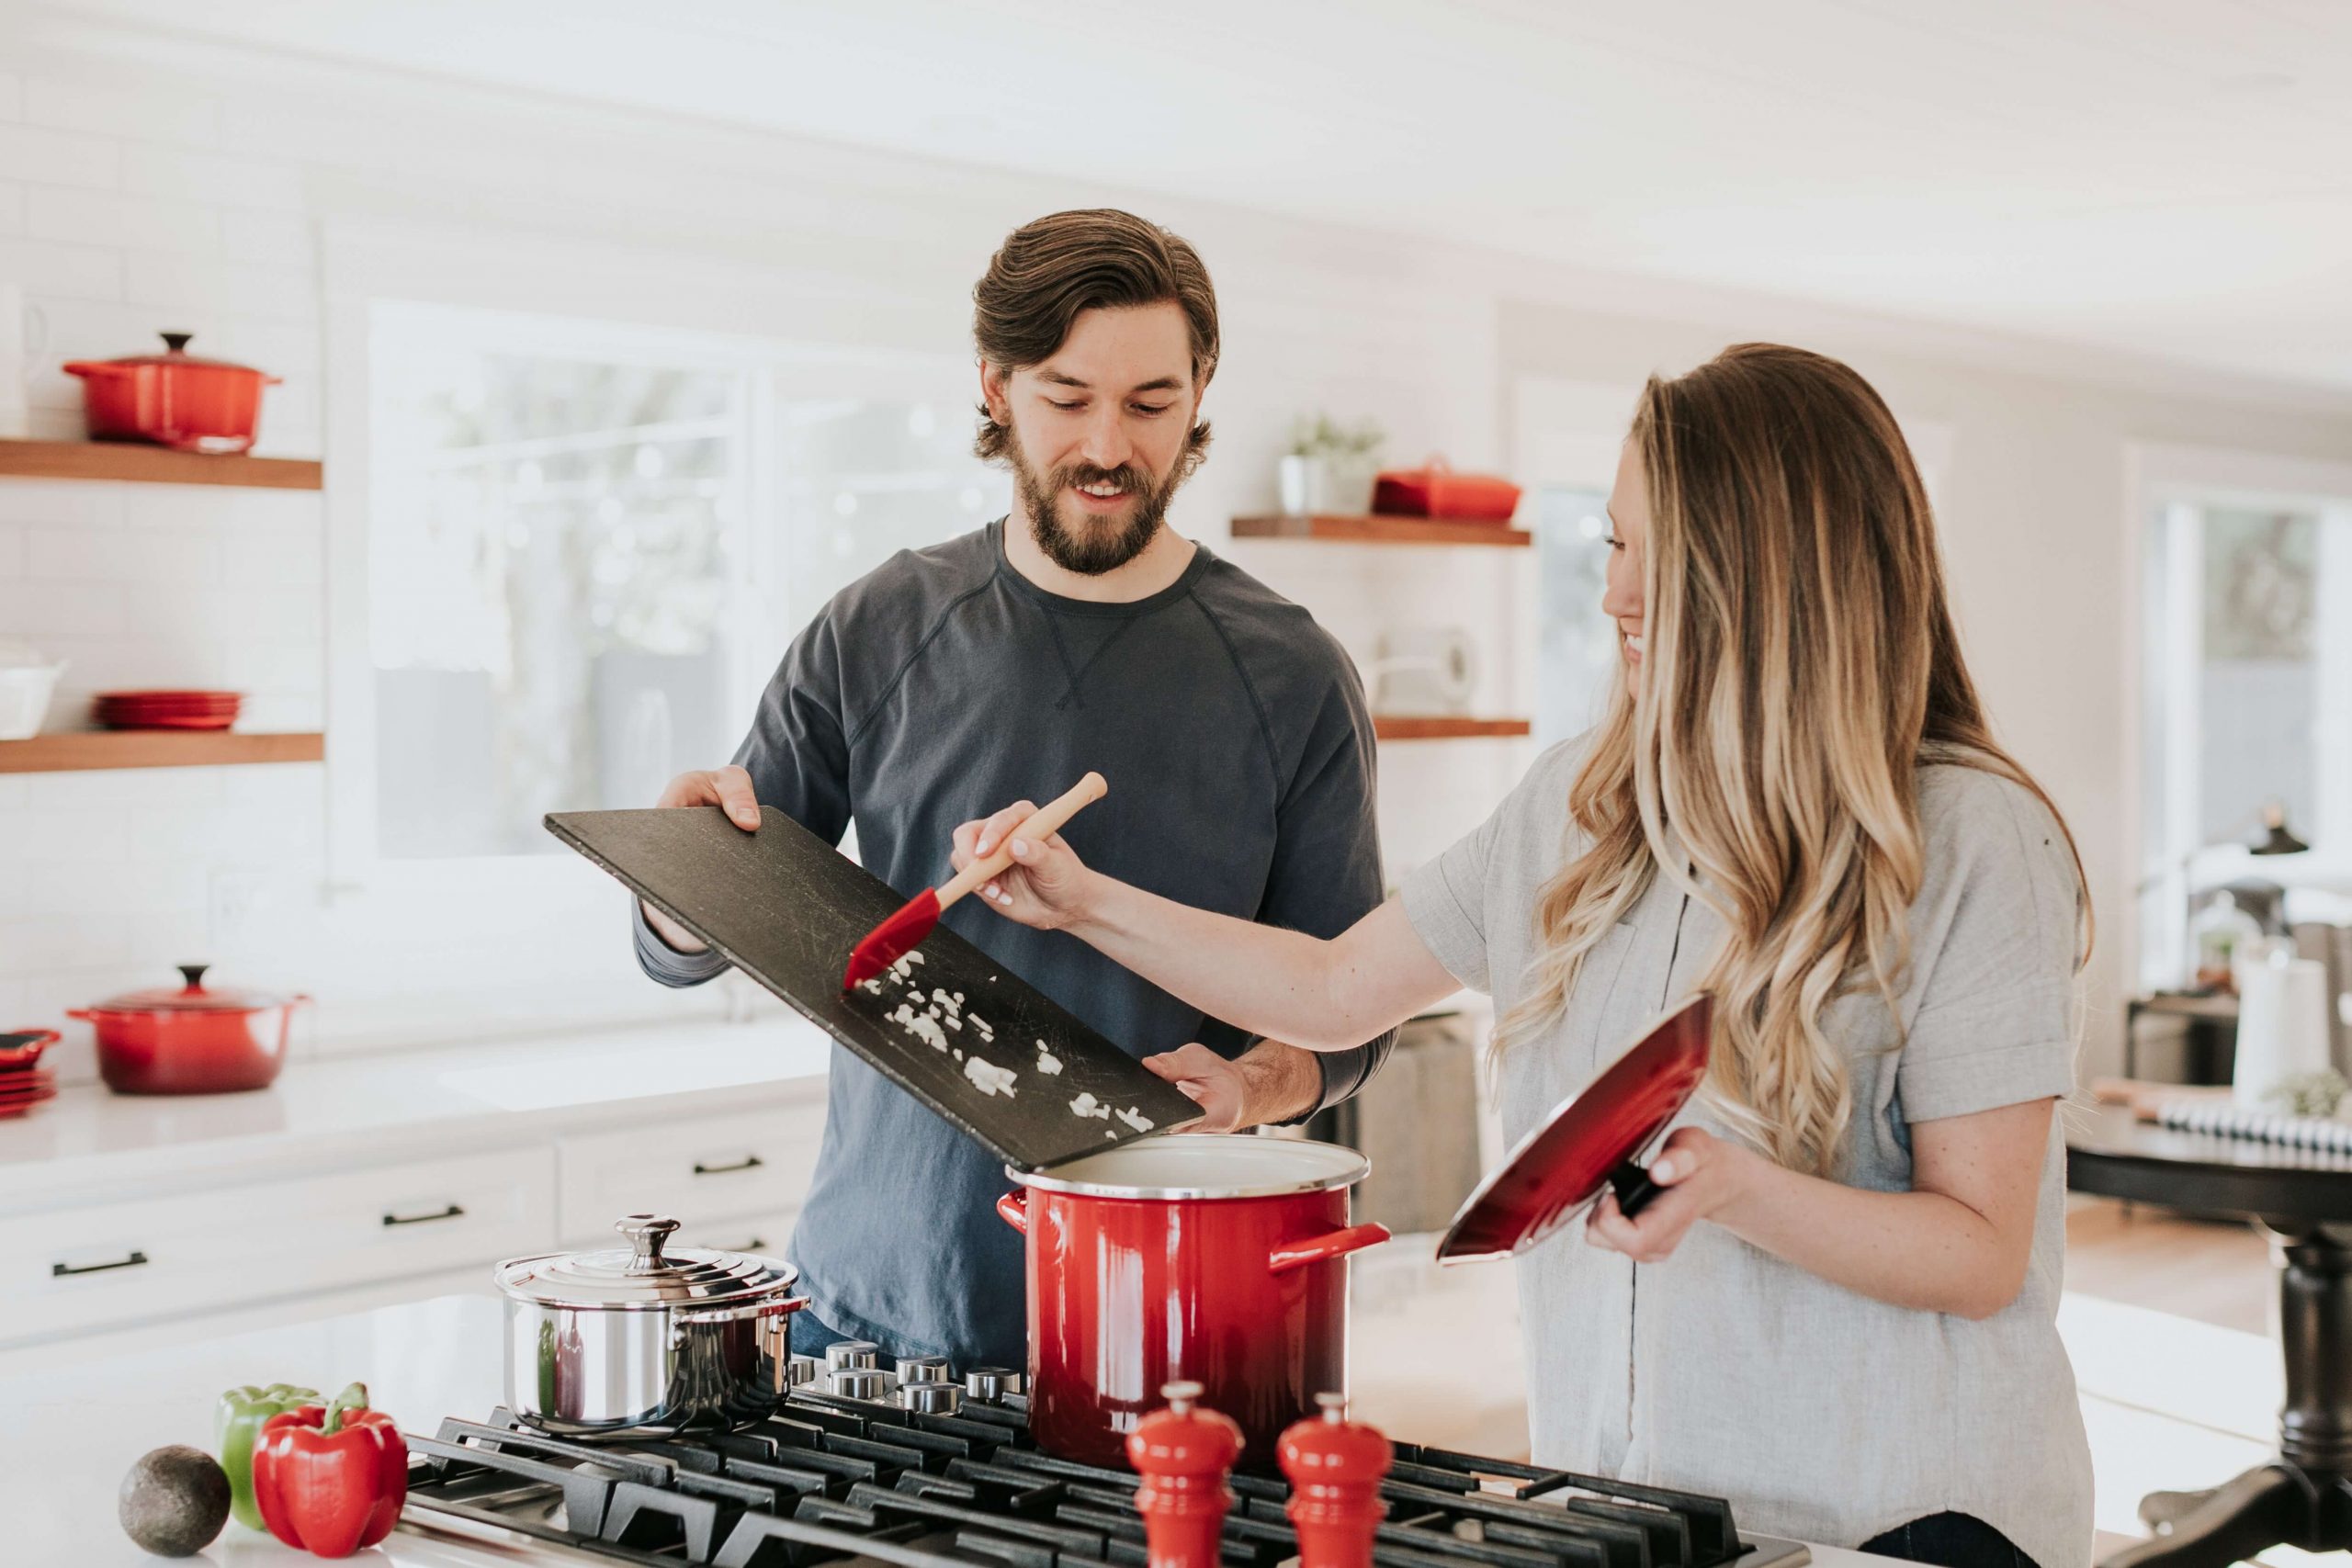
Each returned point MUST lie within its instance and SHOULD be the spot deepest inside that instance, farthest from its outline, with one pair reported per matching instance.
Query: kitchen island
(70, 1432)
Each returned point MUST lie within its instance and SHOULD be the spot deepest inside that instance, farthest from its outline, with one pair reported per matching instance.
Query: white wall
(145, 186)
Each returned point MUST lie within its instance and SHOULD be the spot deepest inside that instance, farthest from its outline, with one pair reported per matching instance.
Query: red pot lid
(176, 353)
(1559, 1169)
(195, 996)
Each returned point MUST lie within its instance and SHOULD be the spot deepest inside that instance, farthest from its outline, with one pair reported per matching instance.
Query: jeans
(810, 1337)
(1949, 1541)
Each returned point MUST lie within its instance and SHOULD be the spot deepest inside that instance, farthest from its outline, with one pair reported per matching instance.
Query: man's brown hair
(1045, 273)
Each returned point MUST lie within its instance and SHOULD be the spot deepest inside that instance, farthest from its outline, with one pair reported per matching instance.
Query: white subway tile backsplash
(161, 555)
(267, 711)
(109, 218)
(30, 948)
(12, 96)
(11, 209)
(60, 501)
(61, 157)
(284, 238)
(29, 609)
(11, 551)
(130, 662)
(293, 558)
(247, 288)
(213, 507)
(69, 272)
(211, 176)
(212, 616)
(153, 112)
(124, 789)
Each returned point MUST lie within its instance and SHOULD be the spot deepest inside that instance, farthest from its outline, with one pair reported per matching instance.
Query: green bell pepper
(236, 1422)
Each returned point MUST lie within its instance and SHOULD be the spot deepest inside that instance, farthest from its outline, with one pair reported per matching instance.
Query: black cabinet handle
(59, 1270)
(451, 1212)
(753, 1243)
(748, 1162)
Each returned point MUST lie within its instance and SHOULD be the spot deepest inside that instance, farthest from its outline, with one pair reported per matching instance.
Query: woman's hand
(1701, 1175)
(1209, 1081)
(1046, 887)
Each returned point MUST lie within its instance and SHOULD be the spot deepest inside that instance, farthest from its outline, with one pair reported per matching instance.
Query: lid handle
(645, 1233)
(177, 342)
(194, 975)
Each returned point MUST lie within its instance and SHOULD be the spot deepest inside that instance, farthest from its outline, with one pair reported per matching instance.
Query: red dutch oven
(173, 399)
(190, 1041)
(1187, 1257)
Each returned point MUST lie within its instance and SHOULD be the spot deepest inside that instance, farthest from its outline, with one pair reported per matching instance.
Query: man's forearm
(1280, 1083)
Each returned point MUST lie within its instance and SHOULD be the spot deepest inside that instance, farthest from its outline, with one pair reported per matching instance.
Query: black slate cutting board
(785, 907)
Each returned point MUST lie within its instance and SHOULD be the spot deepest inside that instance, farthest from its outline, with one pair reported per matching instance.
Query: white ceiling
(2165, 177)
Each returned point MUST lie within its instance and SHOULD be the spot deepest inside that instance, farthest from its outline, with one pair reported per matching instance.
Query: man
(1080, 632)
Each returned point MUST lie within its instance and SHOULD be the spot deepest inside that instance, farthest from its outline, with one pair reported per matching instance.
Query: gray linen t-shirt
(1820, 1413)
(943, 685)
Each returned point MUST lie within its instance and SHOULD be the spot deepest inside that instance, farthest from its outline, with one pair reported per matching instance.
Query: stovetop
(835, 1481)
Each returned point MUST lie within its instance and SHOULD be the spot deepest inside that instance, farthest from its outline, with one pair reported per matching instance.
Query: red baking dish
(172, 399)
(191, 1040)
(1437, 491)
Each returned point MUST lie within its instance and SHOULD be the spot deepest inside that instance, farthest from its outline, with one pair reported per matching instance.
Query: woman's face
(1629, 528)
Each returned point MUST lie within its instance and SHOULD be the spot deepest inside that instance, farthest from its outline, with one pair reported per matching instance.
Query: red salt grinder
(1182, 1453)
(1335, 1467)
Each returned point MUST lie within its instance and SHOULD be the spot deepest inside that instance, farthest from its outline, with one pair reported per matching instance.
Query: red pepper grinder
(1182, 1453)
(1335, 1467)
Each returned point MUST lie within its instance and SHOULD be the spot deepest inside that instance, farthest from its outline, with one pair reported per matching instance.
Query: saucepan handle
(1634, 1187)
(1013, 1210)
(1319, 1248)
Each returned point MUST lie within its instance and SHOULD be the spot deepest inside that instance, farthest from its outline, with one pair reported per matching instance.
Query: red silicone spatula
(904, 931)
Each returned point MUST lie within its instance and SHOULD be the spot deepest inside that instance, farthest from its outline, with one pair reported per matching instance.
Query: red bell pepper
(331, 1481)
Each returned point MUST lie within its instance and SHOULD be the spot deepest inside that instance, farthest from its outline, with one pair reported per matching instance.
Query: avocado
(175, 1500)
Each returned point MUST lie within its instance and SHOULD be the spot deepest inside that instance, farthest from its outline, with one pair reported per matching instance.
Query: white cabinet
(713, 1168)
(79, 1270)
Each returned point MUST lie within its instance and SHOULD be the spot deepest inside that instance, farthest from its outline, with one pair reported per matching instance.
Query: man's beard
(1094, 547)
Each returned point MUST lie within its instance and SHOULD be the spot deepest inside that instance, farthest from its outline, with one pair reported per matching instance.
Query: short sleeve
(1994, 940)
(1445, 899)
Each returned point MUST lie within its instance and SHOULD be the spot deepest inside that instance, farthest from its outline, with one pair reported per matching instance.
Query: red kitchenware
(166, 710)
(19, 1049)
(1437, 491)
(173, 399)
(1215, 1259)
(190, 1041)
(1184, 1454)
(1335, 1467)
(1591, 1139)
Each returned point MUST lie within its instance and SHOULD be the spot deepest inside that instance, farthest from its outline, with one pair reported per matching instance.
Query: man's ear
(995, 392)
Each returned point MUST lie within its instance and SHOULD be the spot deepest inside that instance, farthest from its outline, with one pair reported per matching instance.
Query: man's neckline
(1062, 603)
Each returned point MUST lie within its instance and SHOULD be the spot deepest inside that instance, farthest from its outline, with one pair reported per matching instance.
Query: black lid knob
(194, 973)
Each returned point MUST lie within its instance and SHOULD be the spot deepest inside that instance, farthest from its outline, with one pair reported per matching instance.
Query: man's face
(1099, 433)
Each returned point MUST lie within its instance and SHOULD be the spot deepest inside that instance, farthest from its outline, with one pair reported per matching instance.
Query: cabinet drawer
(766, 1233)
(712, 1168)
(106, 1264)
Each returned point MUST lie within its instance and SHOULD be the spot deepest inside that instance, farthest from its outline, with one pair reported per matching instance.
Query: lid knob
(193, 974)
(177, 342)
(1335, 1467)
(645, 1233)
(1182, 1453)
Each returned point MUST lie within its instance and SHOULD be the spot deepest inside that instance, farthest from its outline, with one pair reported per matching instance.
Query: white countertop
(70, 1433)
(92, 1137)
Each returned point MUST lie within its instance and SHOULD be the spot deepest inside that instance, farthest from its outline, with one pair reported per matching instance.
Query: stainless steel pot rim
(779, 1300)
(696, 1283)
(1202, 1167)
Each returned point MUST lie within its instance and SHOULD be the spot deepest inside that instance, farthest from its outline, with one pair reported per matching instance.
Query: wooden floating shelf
(93, 749)
(133, 462)
(1377, 530)
(1404, 729)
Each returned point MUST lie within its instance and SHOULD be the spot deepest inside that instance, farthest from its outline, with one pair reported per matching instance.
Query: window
(585, 556)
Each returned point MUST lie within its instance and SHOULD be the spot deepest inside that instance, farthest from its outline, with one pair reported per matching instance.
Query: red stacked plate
(167, 710)
(23, 1083)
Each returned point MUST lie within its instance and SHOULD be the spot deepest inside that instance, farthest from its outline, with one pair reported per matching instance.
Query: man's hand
(1271, 1082)
(730, 787)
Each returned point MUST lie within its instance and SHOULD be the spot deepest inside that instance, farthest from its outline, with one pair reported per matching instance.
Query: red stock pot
(173, 399)
(1218, 1260)
(191, 1040)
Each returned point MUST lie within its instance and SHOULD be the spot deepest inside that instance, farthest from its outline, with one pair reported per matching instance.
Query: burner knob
(861, 1383)
(993, 1383)
(923, 1368)
(931, 1398)
(1182, 1453)
(843, 1354)
(802, 1371)
(1335, 1467)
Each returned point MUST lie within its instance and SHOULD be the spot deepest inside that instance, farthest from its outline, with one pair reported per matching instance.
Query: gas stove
(835, 1479)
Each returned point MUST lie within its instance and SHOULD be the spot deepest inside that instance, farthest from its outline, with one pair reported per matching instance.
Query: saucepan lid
(1589, 1141)
(646, 1274)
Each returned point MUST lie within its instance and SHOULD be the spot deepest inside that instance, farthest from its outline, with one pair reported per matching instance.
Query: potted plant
(1330, 467)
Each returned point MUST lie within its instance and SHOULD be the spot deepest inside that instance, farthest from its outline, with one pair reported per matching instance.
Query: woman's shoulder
(1994, 840)
(1964, 806)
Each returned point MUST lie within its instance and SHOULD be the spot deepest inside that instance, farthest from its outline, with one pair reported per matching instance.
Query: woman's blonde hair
(1800, 666)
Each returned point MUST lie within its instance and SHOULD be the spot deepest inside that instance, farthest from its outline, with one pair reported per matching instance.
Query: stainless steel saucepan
(639, 1342)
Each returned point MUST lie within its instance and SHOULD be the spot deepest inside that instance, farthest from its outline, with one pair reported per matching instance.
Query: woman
(1841, 1311)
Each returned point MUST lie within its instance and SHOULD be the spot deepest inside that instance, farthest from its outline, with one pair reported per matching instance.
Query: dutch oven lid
(1201, 1166)
(644, 1274)
(176, 353)
(195, 996)
(1559, 1169)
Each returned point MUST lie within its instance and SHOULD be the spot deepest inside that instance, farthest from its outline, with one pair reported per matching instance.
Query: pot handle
(85, 1014)
(1014, 1210)
(1320, 1248)
(99, 368)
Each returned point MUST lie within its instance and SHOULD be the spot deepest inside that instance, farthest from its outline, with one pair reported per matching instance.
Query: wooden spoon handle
(1044, 821)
